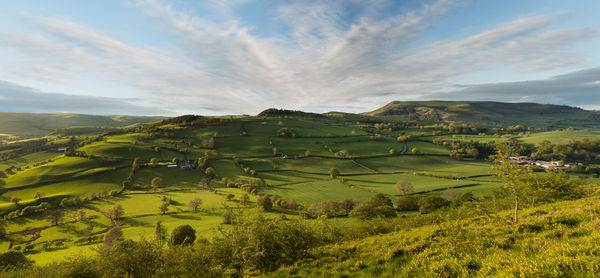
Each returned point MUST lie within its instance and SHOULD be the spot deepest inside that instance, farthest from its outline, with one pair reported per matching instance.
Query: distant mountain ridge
(34, 125)
(489, 112)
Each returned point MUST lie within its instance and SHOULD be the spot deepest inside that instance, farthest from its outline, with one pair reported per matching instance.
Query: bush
(183, 235)
(264, 203)
(431, 203)
(408, 203)
(377, 206)
(13, 258)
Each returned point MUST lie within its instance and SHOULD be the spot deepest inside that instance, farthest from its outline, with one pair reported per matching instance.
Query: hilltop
(27, 125)
(489, 113)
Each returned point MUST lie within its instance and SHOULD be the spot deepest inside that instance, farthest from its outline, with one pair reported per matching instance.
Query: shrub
(13, 258)
(431, 203)
(264, 203)
(408, 203)
(377, 206)
(113, 236)
(183, 235)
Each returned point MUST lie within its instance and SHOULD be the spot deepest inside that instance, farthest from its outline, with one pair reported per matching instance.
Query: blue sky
(152, 57)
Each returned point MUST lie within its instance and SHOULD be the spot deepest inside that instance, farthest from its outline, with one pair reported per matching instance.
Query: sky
(223, 57)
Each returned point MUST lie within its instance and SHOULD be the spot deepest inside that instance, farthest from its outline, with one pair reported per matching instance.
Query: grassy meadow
(247, 157)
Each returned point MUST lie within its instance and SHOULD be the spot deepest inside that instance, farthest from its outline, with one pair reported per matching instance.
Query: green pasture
(310, 165)
(28, 159)
(316, 191)
(242, 146)
(385, 183)
(172, 177)
(560, 137)
(408, 163)
(84, 186)
(125, 150)
(426, 148)
(462, 169)
(60, 169)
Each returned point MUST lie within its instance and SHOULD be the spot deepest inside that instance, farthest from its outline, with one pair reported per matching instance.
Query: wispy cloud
(17, 98)
(580, 88)
(223, 67)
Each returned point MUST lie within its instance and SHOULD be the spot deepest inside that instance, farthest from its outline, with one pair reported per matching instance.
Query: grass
(560, 137)
(371, 170)
(310, 165)
(316, 191)
(385, 183)
(60, 169)
(408, 163)
(85, 186)
(28, 159)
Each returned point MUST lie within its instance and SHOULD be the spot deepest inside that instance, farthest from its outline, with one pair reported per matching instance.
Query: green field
(103, 165)
(560, 137)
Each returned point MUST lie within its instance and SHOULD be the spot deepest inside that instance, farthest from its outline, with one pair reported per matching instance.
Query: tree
(13, 258)
(160, 233)
(408, 203)
(183, 235)
(342, 153)
(347, 205)
(376, 206)
(414, 150)
(392, 151)
(512, 174)
(431, 203)
(403, 138)
(156, 183)
(81, 215)
(39, 195)
(227, 217)
(113, 236)
(195, 203)
(334, 173)
(210, 172)
(264, 203)
(154, 162)
(115, 213)
(245, 199)
(175, 160)
(404, 187)
(164, 207)
(3, 224)
(56, 216)
(15, 200)
(291, 204)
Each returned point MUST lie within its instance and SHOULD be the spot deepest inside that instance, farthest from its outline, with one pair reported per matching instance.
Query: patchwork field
(227, 163)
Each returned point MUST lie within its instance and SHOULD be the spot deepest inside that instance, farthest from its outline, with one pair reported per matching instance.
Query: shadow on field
(187, 216)
(135, 223)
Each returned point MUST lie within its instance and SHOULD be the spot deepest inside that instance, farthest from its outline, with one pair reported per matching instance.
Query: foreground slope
(555, 240)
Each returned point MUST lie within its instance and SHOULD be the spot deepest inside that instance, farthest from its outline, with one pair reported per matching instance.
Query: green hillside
(58, 192)
(490, 113)
(25, 125)
(557, 240)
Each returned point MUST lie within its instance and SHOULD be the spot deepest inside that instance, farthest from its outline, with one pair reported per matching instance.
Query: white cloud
(221, 67)
(17, 98)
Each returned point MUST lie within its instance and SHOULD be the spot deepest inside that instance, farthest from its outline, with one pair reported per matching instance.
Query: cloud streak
(16, 98)
(222, 67)
(580, 88)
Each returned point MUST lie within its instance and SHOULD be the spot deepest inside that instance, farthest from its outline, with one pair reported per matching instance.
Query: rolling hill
(26, 125)
(490, 113)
